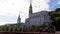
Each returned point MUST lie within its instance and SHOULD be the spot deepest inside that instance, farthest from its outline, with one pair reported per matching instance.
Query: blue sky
(9, 9)
(53, 4)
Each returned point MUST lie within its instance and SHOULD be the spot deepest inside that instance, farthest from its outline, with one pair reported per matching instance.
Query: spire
(30, 9)
(19, 19)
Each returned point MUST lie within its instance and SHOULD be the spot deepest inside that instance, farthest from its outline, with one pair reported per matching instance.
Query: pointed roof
(30, 8)
(19, 16)
(30, 5)
(19, 19)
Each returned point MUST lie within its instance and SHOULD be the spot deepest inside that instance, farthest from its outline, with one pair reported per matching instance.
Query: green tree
(51, 29)
(14, 28)
(10, 29)
(20, 29)
(55, 15)
(35, 28)
(57, 23)
(1, 28)
(57, 10)
(5, 28)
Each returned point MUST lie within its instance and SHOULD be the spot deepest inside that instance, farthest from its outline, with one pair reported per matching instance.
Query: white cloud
(58, 1)
(11, 8)
(39, 5)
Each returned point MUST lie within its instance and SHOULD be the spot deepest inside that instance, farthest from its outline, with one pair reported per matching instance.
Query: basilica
(38, 18)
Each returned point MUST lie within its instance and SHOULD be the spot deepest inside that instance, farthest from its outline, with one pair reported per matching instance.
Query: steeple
(19, 19)
(30, 9)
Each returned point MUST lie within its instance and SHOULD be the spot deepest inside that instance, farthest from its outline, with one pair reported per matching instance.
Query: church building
(38, 18)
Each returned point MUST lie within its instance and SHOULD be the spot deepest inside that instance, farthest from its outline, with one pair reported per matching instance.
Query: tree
(55, 15)
(20, 29)
(36, 28)
(14, 28)
(32, 28)
(57, 10)
(5, 28)
(51, 29)
(1, 28)
(57, 23)
(10, 29)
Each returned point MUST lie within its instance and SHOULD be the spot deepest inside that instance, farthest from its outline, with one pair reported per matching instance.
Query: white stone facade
(38, 18)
